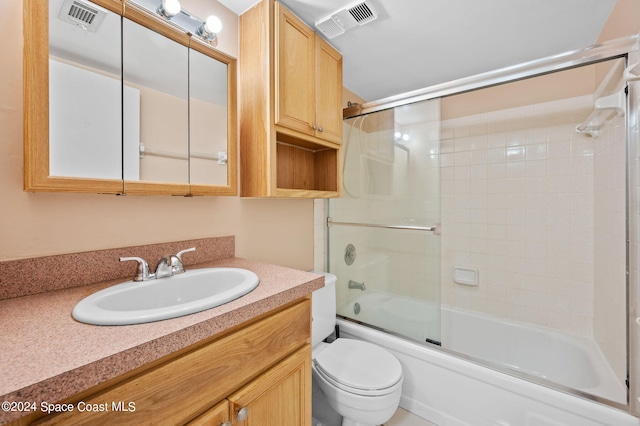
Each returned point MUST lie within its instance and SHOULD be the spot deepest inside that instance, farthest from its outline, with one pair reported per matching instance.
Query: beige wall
(623, 21)
(546, 88)
(37, 224)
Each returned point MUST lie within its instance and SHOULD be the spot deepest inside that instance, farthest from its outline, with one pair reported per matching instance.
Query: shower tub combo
(537, 197)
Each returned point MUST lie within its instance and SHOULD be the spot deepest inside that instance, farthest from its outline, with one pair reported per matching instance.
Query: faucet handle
(181, 252)
(143, 268)
(178, 266)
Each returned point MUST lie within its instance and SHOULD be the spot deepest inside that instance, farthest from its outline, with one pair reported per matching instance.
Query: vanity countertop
(47, 356)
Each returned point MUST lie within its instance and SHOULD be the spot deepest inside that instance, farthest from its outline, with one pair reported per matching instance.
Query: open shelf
(306, 166)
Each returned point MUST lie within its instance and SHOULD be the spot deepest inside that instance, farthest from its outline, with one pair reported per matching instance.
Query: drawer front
(184, 387)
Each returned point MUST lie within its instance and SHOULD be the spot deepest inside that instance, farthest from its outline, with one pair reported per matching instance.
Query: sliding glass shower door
(529, 273)
(384, 243)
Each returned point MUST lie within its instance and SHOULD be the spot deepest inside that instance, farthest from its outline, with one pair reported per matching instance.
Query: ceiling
(101, 48)
(417, 43)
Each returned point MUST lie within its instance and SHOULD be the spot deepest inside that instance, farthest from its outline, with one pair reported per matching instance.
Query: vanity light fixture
(172, 11)
(210, 28)
(169, 8)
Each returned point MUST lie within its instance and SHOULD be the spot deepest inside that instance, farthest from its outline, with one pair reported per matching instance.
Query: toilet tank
(323, 309)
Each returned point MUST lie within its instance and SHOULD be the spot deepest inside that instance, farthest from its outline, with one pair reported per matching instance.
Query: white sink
(139, 302)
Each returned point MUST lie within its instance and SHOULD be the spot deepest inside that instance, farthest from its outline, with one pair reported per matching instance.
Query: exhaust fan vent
(343, 20)
(362, 13)
(81, 14)
(330, 28)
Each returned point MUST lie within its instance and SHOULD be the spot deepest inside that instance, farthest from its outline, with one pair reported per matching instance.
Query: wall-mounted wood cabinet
(309, 80)
(291, 114)
(97, 120)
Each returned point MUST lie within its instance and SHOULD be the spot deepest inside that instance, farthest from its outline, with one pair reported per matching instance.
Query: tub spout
(355, 284)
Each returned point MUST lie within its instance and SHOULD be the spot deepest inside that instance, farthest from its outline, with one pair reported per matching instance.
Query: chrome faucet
(357, 285)
(168, 265)
(171, 264)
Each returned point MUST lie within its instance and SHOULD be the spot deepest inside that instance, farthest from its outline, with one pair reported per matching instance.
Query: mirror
(207, 119)
(130, 104)
(156, 68)
(85, 103)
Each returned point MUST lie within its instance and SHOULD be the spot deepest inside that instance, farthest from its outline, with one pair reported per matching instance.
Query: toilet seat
(359, 367)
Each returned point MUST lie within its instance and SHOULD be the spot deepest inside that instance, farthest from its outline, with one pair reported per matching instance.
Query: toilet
(360, 381)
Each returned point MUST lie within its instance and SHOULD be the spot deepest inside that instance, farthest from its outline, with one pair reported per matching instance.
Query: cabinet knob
(243, 414)
(314, 127)
(320, 128)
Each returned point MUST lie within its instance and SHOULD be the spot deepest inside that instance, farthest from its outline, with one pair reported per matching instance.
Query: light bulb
(213, 25)
(169, 8)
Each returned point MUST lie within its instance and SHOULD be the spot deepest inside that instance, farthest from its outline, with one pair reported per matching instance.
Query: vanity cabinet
(291, 115)
(260, 368)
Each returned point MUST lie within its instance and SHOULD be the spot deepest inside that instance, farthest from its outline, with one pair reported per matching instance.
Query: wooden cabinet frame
(283, 70)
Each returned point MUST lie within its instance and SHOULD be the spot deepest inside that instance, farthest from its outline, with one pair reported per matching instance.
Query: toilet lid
(359, 365)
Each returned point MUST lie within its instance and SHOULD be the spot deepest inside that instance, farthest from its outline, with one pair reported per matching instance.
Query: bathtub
(448, 389)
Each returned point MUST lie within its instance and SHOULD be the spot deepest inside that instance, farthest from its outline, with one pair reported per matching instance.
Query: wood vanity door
(328, 92)
(295, 73)
(281, 396)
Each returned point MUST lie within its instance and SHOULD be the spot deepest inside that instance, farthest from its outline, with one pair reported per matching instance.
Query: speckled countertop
(47, 356)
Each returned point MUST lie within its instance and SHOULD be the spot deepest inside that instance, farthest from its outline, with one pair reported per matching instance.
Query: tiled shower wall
(519, 204)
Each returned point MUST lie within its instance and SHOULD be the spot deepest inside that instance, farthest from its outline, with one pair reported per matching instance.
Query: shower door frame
(629, 48)
(633, 240)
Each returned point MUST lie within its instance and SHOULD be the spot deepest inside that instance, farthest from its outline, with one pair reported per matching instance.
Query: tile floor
(405, 418)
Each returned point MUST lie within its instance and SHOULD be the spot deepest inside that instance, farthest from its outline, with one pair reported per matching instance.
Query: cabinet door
(281, 396)
(328, 92)
(295, 71)
(216, 416)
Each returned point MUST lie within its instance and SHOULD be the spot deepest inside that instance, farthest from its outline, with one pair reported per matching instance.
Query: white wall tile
(537, 203)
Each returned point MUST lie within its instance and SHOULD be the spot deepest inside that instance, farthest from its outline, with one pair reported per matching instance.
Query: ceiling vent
(81, 14)
(343, 20)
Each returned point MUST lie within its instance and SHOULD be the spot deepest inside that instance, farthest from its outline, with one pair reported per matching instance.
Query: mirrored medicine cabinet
(119, 100)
